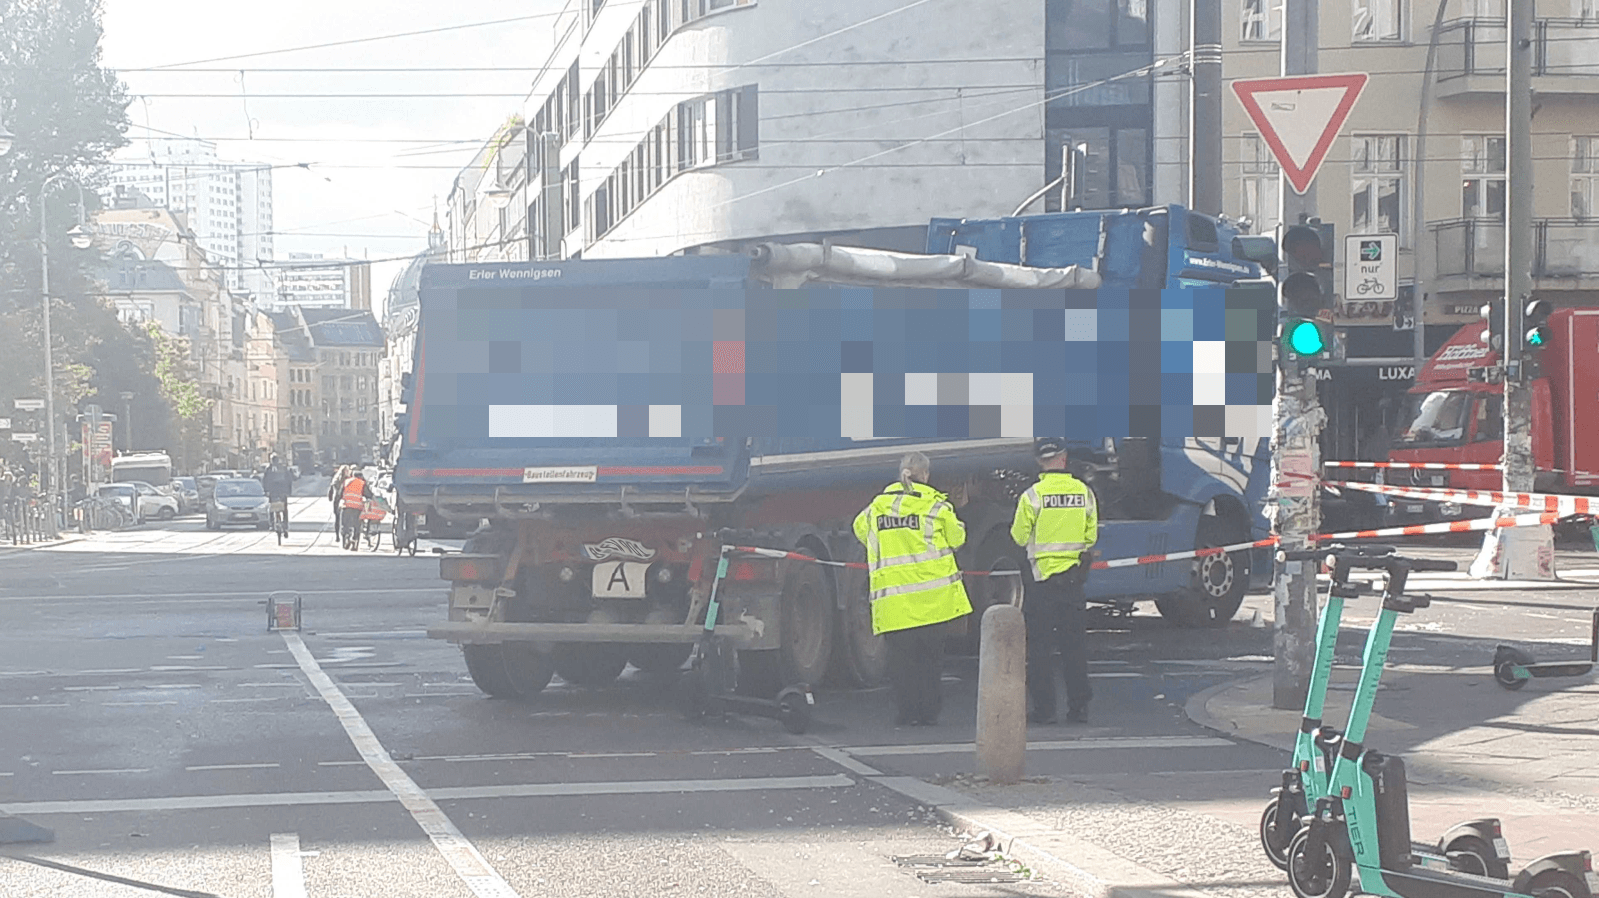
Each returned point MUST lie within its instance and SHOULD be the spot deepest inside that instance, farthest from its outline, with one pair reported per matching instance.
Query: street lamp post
(127, 427)
(81, 239)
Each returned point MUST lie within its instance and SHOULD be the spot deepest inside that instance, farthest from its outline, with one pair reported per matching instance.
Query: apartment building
(1423, 157)
(686, 124)
(345, 417)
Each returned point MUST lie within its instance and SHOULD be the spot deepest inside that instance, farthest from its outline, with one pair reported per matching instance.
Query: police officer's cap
(1046, 448)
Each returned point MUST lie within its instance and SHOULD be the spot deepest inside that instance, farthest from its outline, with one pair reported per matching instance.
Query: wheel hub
(1216, 575)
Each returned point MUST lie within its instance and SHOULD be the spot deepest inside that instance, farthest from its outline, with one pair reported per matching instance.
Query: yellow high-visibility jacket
(910, 539)
(1056, 520)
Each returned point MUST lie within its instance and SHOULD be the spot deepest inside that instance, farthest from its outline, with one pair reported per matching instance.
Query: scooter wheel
(793, 710)
(1273, 839)
(1469, 854)
(1328, 876)
(1555, 884)
(1505, 668)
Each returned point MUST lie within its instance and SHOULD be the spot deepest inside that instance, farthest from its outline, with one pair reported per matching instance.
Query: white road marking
(245, 701)
(115, 670)
(116, 770)
(845, 761)
(339, 763)
(353, 685)
(458, 851)
(263, 766)
(36, 705)
(173, 686)
(7, 774)
(380, 796)
(615, 754)
(288, 877)
(166, 667)
(1119, 742)
(132, 704)
(265, 685)
(185, 657)
(1115, 676)
(90, 688)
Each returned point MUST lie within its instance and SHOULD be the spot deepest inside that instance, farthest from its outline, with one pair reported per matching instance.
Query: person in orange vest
(353, 499)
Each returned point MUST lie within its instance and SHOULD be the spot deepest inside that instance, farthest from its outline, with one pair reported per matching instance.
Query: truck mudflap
(741, 635)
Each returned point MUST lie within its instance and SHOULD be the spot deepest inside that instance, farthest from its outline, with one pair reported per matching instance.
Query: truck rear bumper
(479, 633)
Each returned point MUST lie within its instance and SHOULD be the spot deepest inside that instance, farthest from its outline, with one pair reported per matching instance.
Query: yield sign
(1299, 117)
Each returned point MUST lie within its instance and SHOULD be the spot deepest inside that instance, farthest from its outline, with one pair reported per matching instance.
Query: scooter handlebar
(1431, 564)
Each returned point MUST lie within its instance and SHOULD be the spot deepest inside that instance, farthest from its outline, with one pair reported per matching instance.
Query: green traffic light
(1535, 337)
(1304, 338)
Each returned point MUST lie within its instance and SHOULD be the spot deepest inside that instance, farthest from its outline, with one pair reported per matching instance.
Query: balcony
(1565, 252)
(1471, 57)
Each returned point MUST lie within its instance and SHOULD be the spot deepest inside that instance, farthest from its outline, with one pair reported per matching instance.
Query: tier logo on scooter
(617, 547)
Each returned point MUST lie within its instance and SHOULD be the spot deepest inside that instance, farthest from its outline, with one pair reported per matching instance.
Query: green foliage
(174, 370)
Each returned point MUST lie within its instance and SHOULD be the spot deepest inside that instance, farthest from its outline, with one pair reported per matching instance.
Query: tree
(68, 114)
(174, 371)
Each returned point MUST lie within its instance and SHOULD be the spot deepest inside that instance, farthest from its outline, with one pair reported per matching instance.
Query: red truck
(1455, 418)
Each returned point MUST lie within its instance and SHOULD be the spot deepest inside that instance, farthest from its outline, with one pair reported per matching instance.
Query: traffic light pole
(1517, 461)
(1297, 420)
(1519, 553)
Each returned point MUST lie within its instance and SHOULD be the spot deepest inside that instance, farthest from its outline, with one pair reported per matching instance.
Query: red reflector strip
(661, 470)
(1346, 792)
(743, 570)
(1304, 766)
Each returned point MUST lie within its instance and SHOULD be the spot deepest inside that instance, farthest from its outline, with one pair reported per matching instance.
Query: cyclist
(353, 498)
(276, 482)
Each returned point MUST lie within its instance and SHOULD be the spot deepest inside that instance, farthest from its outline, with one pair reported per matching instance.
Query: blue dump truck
(607, 425)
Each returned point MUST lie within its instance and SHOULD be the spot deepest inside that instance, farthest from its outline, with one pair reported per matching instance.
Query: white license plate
(242, 516)
(1502, 849)
(619, 580)
(1413, 509)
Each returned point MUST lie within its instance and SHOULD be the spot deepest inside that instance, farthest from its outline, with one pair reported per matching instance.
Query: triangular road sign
(1299, 117)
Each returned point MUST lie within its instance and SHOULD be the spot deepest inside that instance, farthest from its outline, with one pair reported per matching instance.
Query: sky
(378, 165)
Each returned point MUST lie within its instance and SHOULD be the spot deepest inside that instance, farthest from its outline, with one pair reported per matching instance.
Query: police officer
(911, 533)
(1057, 521)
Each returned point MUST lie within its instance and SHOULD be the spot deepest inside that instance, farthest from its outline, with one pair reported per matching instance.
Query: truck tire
(860, 658)
(508, 670)
(589, 663)
(998, 553)
(805, 637)
(1219, 581)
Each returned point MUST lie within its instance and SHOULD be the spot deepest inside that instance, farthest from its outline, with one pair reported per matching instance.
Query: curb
(1093, 872)
(14, 550)
(1196, 709)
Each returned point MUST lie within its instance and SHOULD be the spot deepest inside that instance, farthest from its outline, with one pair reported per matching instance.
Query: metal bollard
(1002, 695)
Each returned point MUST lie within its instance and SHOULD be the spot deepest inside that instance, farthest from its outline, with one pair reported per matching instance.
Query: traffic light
(1305, 290)
(1536, 319)
(1493, 320)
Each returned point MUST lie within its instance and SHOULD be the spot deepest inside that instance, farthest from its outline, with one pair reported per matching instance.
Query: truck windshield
(1437, 418)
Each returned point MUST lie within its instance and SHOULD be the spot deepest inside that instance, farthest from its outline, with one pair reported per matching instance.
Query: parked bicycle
(103, 513)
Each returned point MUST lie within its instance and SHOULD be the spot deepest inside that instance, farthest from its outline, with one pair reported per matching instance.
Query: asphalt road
(177, 747)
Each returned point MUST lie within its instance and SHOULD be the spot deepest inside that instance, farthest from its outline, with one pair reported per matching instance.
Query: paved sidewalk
(1471, 749)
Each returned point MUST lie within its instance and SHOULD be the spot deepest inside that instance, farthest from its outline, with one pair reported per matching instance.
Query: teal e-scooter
(1476, 846)
(1362, 823)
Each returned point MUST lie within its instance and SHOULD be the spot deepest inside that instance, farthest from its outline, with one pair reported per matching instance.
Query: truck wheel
(1219, 581)
(589, 663)
(860, 659)
(805, 638)
(509, 670)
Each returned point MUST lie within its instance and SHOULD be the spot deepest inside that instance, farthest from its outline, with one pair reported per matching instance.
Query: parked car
(188, 493)
(154, 504)
(121, 492)
(237, 501)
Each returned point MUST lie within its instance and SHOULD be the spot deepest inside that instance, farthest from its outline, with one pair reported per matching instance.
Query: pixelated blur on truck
(1456, 416)
(594, 552)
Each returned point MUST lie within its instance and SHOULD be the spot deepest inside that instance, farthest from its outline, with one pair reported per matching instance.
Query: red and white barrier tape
(1427, 465)
(1522, 520)
(1563, 505)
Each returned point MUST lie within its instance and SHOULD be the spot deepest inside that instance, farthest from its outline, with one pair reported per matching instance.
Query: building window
(360, 428)
(1377, 184)
(346, 428)
(1258, 187)
(1262, 20)
(1482, 181)
(1585, 178)
(1378, 20)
